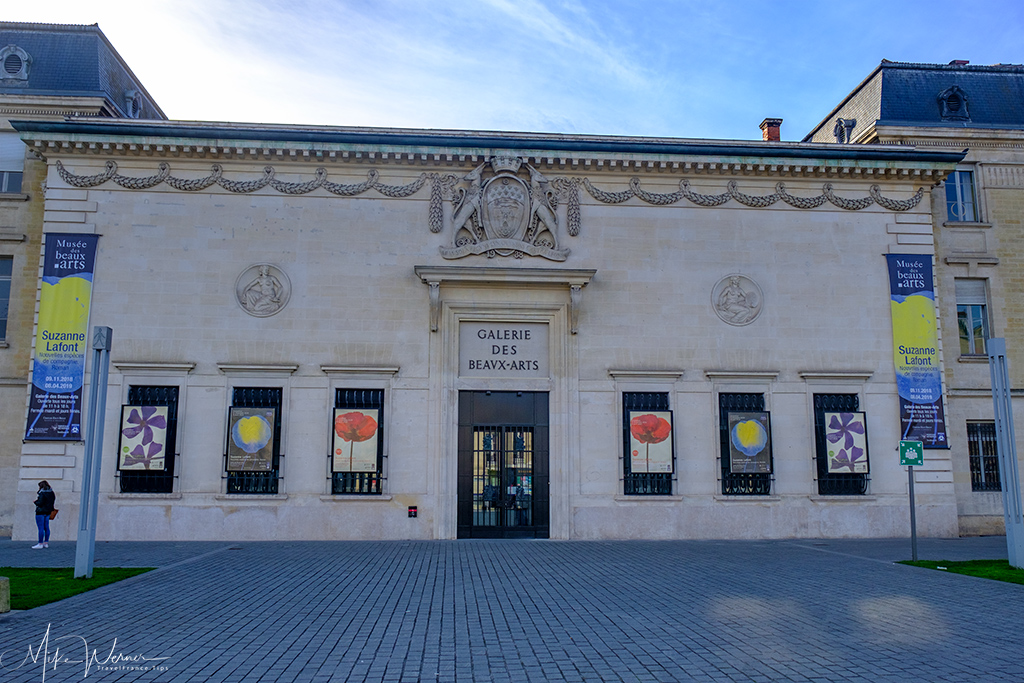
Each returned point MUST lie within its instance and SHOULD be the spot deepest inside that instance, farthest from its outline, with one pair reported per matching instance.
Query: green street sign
(912, 453)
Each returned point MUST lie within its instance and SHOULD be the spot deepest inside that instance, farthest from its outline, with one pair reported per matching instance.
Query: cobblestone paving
(511, 611)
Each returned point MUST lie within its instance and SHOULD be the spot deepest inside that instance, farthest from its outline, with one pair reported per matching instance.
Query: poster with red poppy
(356, 434)
(251, 439)
(750, 442)
(143, 439)
(846, 440)
(650, 441)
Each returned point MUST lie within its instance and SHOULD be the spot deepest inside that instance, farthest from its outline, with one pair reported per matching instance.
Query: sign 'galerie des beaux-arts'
(503, 350)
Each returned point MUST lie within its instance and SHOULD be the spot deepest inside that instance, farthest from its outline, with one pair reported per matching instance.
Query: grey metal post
(85, 550)
(1006, 443)
(913, 514)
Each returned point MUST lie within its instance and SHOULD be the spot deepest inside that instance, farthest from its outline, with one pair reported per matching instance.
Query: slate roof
(73, 60)
(903, 93)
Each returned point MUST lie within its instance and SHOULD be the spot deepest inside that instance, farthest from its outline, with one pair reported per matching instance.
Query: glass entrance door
(503, 465)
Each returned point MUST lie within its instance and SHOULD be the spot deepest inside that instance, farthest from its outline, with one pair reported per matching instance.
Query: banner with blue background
(915, 349)
(55, 406)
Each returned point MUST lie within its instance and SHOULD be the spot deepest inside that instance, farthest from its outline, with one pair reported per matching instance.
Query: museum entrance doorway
(503, 464)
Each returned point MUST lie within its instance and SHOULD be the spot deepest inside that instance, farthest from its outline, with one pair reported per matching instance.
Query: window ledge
(720, 498)
(254, 497)
(852, 498)
(622, 498)
(966, 224)
(345, 498)
(13, 197)
(972, 358)
(143, 496)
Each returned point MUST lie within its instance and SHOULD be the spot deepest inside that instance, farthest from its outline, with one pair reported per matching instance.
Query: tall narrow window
(960, 202)
(734, 483)
(653, 427)
(146, 463)
(840, 435)
(357, 458)
(12, 163)
(972, 316)
(254, 440)
(6, 270)
(984, 456)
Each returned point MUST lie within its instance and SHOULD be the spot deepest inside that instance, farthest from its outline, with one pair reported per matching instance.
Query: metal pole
(85, 550)
(913, 514)
(1006, 445)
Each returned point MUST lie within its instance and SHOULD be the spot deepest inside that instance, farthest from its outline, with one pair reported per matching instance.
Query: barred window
(837, 483)
(642, 483)
(366, 406)
(154, 480)
(984, 456)
(262, 482)
(740, 483)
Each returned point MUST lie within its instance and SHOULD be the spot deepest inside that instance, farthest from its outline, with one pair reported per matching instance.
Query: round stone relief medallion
(262, 290)
(737, 299)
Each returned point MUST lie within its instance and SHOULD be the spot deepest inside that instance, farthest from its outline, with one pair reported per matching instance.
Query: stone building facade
(47, 72)
(977, 221)
(351, 333)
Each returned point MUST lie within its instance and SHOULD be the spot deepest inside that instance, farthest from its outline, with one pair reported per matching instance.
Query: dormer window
(953, 104)
(844, 130)
(14, 64)
(133, 104)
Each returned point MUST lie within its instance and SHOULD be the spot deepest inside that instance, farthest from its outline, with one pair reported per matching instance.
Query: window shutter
(970, 292)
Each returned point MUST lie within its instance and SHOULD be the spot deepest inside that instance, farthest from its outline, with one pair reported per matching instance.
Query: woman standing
(44, 506)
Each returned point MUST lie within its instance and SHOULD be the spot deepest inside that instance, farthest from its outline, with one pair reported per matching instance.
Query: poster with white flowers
(143, 443)
(846, 441)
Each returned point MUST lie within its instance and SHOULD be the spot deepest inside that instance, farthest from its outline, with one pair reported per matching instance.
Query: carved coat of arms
(503, 214)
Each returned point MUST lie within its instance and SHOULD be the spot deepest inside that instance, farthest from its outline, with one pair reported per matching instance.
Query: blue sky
(683, 68)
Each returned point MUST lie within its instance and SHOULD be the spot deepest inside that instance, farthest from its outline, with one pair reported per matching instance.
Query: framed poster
(650, 441)
(356, 434)
(846, 439)
(143, 439)
(251, 439)
(750, 443)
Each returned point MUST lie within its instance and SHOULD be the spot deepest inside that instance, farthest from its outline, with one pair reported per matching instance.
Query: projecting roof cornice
(216, 141)
(952, 137)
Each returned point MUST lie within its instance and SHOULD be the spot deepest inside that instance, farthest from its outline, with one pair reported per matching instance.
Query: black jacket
(45, 501)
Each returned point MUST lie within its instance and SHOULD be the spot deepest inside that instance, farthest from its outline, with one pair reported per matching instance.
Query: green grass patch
(997, 570)
(35, 586)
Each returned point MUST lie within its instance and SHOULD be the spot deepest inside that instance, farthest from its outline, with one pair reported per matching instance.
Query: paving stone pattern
(517, 611)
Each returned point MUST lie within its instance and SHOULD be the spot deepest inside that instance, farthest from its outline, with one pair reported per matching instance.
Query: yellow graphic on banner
(913, 323)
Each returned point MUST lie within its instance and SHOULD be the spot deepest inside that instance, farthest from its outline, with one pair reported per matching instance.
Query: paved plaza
(511, 611)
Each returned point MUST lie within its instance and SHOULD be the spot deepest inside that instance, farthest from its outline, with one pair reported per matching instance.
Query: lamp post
(85, 550)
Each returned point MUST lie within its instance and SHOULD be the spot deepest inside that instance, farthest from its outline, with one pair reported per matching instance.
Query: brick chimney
(770, 129)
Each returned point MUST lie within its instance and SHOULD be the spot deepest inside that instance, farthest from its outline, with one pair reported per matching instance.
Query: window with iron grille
(258, 482)
(960, 200)
(972, 315)
(642, 483)
(361, 483)
(740, 483)
(835, 483)
(154, 481)
(984, 456)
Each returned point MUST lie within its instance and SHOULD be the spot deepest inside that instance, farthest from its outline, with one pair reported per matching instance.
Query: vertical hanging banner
(55, 406)
(915, 349)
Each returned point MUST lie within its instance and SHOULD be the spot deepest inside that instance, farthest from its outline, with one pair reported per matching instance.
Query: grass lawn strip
(997, 570)
(35, 586)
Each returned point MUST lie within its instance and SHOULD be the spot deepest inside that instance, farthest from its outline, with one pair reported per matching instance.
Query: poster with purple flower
(846, 439)
(143, 443)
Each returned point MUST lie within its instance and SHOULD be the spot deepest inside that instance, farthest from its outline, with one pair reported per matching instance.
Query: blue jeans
(43, 522)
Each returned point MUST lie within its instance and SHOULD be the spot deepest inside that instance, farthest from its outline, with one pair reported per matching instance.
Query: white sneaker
(37, 546)
(45, 544)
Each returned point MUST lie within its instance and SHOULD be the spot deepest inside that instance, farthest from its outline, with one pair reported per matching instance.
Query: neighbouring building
(47, 72)
(977, 219)
(357, 333)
